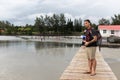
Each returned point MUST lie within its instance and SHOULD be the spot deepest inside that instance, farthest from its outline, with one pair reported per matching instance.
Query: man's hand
(86, 43)
(93, 40)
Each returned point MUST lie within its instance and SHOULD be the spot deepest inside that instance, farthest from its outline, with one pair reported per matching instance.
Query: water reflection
(41, 48)
(30, 60)
(40, 45)
(8, 44)
(37, 45)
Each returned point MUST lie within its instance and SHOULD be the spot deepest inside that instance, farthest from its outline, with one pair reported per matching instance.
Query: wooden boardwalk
(79, 65)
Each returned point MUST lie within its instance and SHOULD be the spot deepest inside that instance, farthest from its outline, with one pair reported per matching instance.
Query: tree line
(57, 24)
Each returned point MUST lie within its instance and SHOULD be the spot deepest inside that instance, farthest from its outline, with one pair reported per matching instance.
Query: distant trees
(69, 27)
(94, 26)
(116, 19)
(45, 25)
(104, 21)
(10, 29)
(39, 24)
(5, 25)
(57, 24)
(78, 25)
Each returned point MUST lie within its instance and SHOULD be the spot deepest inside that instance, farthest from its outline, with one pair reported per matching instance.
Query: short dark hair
(88, 21)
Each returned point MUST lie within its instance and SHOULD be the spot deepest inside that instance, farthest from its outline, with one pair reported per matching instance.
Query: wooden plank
(79, 65)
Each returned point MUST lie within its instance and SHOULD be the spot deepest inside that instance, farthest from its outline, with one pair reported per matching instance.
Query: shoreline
(77, 40)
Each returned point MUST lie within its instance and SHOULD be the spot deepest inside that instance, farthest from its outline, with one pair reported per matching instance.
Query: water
(33, 60)
(111, 55)
(30, 60)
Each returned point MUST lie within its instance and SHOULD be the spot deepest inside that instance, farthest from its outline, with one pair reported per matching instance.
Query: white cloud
(25, 11)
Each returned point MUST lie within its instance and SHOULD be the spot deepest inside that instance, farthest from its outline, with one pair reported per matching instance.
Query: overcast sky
(21, 12)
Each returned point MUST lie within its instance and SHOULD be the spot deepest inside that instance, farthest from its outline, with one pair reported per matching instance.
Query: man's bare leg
(90, 65)
(94, 62)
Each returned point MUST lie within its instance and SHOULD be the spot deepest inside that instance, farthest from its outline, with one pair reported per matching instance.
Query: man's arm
(93, 40)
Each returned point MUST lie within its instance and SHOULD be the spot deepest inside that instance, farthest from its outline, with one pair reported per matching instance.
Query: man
(91, 43)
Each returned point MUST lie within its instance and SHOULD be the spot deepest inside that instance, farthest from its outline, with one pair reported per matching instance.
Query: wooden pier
(79, 65)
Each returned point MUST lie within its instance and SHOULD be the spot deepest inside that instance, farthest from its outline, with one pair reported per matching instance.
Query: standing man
(91, 43)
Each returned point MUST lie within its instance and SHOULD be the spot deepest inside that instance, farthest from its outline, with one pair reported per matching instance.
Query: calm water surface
(29, 60)
(32, 60)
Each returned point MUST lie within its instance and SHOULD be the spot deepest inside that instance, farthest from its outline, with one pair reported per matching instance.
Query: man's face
(86, 24)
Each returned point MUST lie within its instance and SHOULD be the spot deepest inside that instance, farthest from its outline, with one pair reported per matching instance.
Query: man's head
(87, 23)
